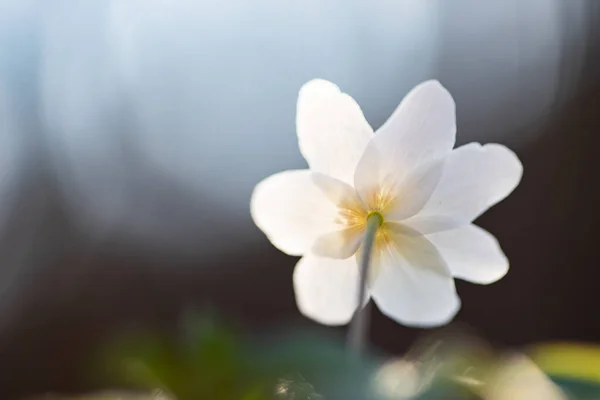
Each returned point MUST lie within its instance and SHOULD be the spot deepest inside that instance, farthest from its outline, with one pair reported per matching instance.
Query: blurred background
(132, 133)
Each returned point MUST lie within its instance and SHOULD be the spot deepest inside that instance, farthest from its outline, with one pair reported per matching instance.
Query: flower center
(376, 214)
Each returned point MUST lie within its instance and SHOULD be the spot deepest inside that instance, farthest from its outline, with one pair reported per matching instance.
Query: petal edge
(332, 130)
(292, 211)
(326, 289)
(472, 254)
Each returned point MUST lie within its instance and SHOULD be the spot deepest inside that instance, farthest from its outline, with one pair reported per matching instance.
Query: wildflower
(424, 193)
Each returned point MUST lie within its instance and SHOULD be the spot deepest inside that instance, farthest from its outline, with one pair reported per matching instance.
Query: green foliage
(111, 395)
(578, 389)
(208, 361)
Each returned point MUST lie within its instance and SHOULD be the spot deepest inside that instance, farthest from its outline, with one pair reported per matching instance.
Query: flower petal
(475, 178)
(326, 289)
(345, 240)
(292, 211)
(338, 192)
(421, 129)
(472, 254)
(398, 195)
(413, 285)
(339, 244)
(332, 130)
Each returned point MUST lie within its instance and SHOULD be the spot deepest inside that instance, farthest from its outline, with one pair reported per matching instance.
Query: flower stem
(360, 322)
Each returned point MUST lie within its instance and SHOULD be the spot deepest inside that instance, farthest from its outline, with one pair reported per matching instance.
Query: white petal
(338, 192)
(416, 190)
(427, 224)
(292, 211)
(413, 286)
(327, 289)
(339, 244)
(332, 131)
(397, 194)
(472, 254)
(475, 178)
(345, 240)
(421, 129)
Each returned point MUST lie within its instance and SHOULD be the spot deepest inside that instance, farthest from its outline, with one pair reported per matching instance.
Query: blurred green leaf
(203, 362)
(208, 361)
(578, 389)
(113, 395)
(325, 363)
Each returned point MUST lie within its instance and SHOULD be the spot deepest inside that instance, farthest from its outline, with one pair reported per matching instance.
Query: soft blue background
(158, 117)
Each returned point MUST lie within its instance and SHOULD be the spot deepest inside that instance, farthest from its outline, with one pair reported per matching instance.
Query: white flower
(426, 193)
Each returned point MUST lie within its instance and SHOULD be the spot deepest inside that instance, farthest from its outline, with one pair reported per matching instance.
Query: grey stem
(360, 322)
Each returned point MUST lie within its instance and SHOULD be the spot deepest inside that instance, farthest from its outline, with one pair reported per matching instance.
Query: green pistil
(376, 214)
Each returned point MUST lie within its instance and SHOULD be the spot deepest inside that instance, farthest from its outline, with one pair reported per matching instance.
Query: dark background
(92, 242)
